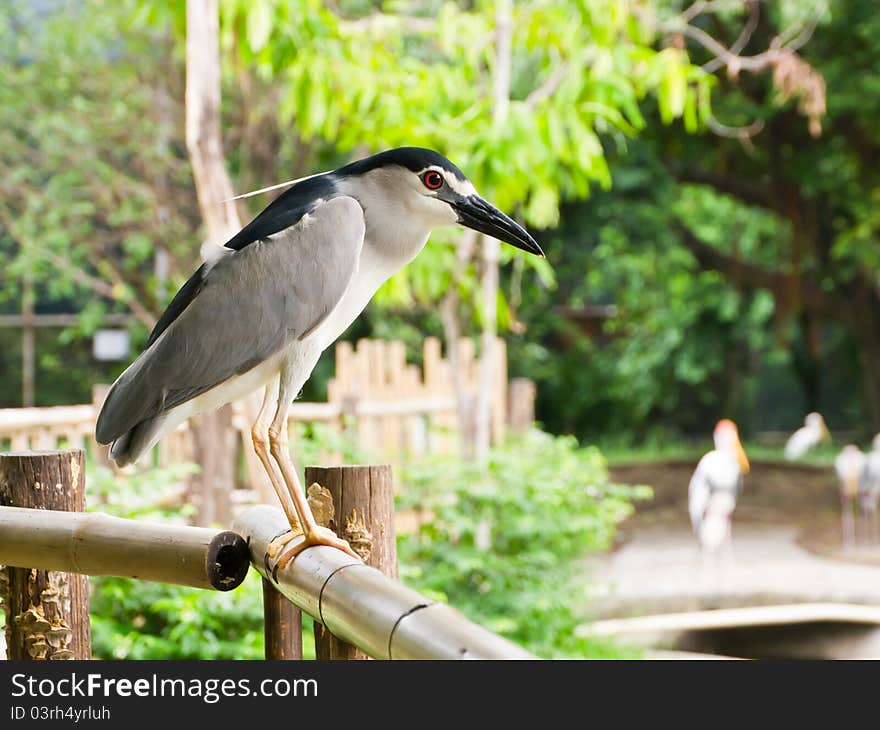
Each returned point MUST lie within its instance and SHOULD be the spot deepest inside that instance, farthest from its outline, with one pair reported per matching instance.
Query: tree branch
(814, 297)
(382, 22)
(741, 189)
(99, 286)
(545, 90)
(744, 37)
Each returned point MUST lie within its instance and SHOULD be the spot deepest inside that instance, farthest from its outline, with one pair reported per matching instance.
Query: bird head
(817, 423)
(726, 438)
(429, 191)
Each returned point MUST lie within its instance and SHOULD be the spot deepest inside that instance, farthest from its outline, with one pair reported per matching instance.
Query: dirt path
(786, 547)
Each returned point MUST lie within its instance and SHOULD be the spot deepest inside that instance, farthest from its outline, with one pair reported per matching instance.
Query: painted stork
(850, 467)
(714, 487)
(807, 436)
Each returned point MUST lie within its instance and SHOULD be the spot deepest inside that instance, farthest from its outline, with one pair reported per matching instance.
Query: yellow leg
(313, 533)
(260, 437)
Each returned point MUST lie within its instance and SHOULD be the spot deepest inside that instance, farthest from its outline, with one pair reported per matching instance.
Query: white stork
(714, 487)
(850, 467)
(806, 437)
(869, 492)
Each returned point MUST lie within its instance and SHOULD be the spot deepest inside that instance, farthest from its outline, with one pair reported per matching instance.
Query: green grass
(617, 454)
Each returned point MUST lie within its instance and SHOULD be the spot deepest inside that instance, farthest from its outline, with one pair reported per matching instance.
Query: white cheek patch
(462, 187)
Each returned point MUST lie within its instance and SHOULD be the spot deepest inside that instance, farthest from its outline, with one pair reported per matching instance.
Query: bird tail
(125, 420)
(133, 444)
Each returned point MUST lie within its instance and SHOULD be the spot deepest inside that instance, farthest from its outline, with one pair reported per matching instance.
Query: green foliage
(504, 544)
(139, 495)
(93, 183)
(142, 620)
(422, 73)
(134, 619)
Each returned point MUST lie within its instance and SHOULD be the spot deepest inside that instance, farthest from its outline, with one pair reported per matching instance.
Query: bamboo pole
(47, 611)
(360, 605)
(363, 514)
(282, 625)
(97, 544)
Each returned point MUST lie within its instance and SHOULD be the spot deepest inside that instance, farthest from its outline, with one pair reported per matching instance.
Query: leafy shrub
(504, 544)
(142, 620)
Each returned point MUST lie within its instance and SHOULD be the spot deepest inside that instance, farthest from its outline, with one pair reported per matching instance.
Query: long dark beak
(476, 213)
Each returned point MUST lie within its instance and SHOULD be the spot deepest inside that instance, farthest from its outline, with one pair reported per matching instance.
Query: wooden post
(47, 612)
(28, 347)
(215, 451)
(521, 408)
(363, 513)
(282, 625)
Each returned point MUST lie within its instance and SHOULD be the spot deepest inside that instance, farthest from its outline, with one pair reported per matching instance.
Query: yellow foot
(279, 542)
(319, 536)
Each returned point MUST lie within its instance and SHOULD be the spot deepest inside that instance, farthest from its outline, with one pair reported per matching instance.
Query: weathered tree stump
(362, 512)
(47, 612)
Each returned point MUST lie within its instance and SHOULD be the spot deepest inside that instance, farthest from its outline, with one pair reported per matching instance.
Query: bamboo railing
(355, 602)
(47, 540)
(360, 605)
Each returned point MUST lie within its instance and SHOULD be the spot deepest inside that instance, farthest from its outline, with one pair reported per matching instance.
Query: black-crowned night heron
(715, 485)
(259, 314)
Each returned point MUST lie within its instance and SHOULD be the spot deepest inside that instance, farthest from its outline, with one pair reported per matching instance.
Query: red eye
(433, 180)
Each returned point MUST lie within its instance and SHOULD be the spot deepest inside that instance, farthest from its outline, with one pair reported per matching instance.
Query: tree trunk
(213, 185)
(203, 139)
(47, 611)
(28, 356)
(807, 360)
(490, 246)
(485, 389)
(864, 322)
(451, 334)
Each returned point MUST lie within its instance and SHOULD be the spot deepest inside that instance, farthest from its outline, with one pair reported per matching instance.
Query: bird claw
(317, 536)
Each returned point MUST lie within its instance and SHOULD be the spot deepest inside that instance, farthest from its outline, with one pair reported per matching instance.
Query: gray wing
(251, 304)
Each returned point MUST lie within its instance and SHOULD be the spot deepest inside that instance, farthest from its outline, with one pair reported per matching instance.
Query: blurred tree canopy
(742, 260)
(680, 157)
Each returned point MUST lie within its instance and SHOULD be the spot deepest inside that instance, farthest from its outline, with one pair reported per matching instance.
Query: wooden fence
(395, 407)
